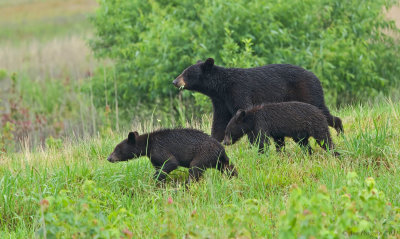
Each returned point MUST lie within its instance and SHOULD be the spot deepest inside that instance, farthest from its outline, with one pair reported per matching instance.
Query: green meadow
(61, 116)
(89, 196)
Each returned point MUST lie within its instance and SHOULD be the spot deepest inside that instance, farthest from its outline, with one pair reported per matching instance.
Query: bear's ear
(240, 114)
(208, 64)
(132, 137)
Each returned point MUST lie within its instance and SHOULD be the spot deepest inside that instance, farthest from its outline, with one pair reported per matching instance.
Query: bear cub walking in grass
(279, 120)
(170, 148)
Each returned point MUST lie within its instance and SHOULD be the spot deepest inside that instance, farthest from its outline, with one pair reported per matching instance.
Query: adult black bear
(170, 148)
(231, 89)
(279, 120)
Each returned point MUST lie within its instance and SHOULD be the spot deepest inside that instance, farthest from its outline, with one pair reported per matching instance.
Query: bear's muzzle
(227, 141)
(179, 82)
(112, 159)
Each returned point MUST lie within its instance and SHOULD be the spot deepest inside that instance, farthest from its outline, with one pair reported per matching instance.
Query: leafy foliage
(151, 42)
(355, 209)
(361, 210)
(63, 217)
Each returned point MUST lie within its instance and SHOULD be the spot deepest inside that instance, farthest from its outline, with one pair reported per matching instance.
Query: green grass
(248, 206)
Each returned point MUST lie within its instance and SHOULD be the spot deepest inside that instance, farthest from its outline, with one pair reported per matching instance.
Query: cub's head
(194, 76)
(238, 126)
(127, 149)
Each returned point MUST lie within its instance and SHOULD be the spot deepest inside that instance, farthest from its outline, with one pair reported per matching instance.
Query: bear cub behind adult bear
(231, 89)
(170, 148)
(279, 120)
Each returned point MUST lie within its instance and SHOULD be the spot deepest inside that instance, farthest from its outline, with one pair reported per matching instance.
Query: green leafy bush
(361, 210)
(151, 42)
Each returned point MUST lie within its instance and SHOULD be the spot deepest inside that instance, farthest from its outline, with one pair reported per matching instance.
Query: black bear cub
(279, 120)
(170, 148)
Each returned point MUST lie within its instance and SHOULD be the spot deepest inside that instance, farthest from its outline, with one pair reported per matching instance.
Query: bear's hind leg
(326, 143)
(199, 164)
(224, 166)
(333, 121)
(194, 174)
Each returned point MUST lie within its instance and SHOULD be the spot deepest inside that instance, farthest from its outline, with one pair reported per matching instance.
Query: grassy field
(123, 197)
(65, 185)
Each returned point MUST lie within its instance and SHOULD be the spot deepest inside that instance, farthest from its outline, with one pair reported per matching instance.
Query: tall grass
(41, 92)
(216, 207)
(63, 58)
(44, 63)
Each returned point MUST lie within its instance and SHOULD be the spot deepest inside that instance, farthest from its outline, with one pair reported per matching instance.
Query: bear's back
(289, 115)
(183, 144)
(180, 137)
(282, 72)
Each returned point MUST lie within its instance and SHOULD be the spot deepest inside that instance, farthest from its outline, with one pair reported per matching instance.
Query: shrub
(151, 42)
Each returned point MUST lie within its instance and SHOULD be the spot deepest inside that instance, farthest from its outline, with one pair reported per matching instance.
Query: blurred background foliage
(345, 43)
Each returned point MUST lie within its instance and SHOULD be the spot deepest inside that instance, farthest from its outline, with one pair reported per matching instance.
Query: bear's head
(127, 149)
(192, 78)
(239, 125)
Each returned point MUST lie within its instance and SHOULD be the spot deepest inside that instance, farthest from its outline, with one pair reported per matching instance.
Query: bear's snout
(111, 159)
(227, 141)
(179, 82)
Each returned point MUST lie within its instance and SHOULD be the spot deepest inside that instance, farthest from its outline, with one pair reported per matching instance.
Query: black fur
(231, 89)
(279, 120)
(170, 148)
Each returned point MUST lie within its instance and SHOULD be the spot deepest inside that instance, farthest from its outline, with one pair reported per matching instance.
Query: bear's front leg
(221, 119)
(264, 143)
(166, 166)
(260, 139)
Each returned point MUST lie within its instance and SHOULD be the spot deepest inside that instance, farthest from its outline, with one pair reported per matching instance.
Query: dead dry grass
(57, 58)
(35, 10)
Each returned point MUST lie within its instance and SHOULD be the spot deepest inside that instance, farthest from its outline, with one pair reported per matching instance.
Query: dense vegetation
(342, 42)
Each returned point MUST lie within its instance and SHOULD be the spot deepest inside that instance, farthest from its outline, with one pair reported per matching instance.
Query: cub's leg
(164, 166)
(304, 144)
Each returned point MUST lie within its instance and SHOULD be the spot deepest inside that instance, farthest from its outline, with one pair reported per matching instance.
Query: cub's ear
(240, 114)
(132, 137)
(208, 64)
